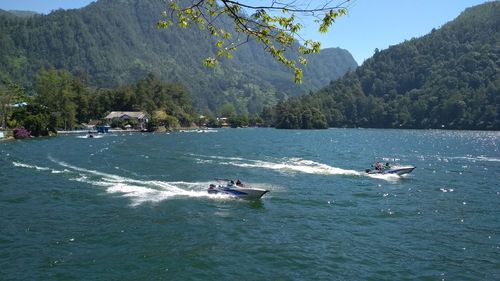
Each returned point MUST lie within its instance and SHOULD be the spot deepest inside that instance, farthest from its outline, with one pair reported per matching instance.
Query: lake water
(135, 207)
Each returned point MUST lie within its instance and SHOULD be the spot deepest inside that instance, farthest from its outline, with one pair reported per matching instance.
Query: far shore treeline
(62, 101)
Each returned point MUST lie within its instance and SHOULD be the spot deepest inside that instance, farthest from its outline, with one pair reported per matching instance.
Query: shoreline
(95, 132)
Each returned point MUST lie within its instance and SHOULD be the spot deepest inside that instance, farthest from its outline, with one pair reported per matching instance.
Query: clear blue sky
(370, 24)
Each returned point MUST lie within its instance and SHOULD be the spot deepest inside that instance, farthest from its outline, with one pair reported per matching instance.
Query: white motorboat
(394, 170)
(237, 190)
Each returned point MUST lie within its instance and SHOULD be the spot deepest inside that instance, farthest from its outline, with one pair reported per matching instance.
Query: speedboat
(237, 190)
(393, 170)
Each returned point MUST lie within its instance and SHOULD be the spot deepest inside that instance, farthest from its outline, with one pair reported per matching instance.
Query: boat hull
(240, 192)
(402, 170)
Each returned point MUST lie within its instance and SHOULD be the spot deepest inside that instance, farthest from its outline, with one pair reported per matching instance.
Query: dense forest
(115, 42)
(449, 79)
(64, 101)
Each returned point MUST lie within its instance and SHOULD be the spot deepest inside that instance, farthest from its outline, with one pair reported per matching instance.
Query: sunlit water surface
(134, 206)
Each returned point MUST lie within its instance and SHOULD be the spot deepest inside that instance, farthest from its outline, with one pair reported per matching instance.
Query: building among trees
(136, 119)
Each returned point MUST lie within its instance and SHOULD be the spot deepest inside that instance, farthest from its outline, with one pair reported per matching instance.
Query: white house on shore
(138, 117)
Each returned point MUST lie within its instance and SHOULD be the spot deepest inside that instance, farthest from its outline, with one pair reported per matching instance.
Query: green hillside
(449, 78)
(115, 42)
(22, 13)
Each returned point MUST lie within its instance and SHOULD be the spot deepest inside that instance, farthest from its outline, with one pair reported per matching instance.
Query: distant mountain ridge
(449, 78)
(21, 13)
(115, 42)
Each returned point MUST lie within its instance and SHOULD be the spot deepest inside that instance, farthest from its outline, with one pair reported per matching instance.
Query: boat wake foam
(87, 137)
(285, 165)
(138, 191)
(386, 177)
(474, 158)
(54, 171)
(19, 164)
(294, 165)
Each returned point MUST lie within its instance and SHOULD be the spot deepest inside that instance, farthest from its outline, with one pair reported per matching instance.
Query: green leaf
(298, 76)
(210, 62)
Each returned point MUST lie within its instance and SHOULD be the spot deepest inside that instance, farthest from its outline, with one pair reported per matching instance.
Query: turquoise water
(135, 206)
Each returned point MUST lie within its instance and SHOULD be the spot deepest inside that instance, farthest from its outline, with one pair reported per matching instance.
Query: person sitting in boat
(239, 183)
(378, 166)
(231, 183)
(387, 166)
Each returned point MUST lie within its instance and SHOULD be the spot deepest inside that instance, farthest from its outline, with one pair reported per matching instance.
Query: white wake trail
(294, 165)
(139, 191)
(286, 165)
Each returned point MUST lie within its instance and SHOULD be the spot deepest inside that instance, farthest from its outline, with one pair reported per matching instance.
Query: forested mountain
(449, 78)
(22, 13)
(115, 42)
